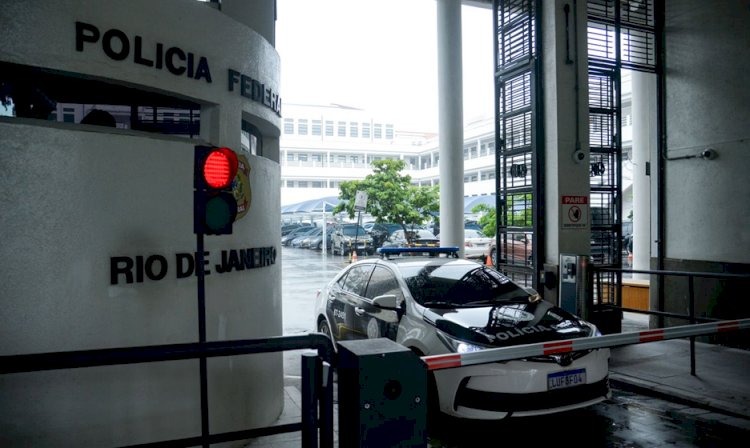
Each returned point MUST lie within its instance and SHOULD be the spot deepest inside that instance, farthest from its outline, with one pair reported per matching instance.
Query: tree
(390, 196)
(488, 220)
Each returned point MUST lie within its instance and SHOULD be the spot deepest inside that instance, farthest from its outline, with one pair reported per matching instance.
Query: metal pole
(326, 406)
(691, 294)
(356, 231)
(199, 264)
(309, 410)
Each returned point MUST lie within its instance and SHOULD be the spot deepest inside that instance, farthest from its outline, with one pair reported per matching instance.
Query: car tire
(325, 329)
(493, 256)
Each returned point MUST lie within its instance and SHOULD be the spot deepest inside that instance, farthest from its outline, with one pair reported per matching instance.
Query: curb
(674, 395)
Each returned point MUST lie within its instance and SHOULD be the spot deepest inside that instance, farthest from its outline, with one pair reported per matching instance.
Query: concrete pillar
(643, 108)
(566, 125)
(450, 111)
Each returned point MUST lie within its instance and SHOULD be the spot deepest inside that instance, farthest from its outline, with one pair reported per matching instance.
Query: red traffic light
(220, 168)
(214, 204)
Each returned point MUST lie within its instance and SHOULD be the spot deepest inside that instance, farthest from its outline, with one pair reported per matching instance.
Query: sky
(381, 56)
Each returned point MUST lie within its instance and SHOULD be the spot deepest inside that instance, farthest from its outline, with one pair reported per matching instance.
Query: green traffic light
(220, 212)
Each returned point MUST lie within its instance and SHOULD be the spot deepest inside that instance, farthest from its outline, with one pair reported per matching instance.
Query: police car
(433, 302)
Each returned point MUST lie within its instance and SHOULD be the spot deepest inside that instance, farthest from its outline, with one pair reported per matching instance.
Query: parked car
(288, 239)
(381, 231)
(435, 304)
(317, 241)
(418, 238)
(518, 250)
(476, 244)
(286, 228)
(344, 236)
(303, 240)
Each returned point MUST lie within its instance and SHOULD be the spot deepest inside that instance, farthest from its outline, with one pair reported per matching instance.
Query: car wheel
(493, 256)
(325, 329)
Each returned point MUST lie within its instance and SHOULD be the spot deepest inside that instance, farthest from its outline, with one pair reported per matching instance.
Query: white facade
(98, 222)
(322, 146)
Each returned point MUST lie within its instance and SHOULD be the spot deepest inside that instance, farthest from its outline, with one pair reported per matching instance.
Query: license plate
(569, 378)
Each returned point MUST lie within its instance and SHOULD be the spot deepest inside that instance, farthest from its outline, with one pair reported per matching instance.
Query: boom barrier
(452, 360)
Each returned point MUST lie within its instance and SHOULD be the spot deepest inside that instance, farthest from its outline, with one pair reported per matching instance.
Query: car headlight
(594, 330)
(457, 345)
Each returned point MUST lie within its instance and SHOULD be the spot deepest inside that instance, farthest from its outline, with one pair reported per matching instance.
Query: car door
(349, 319)
(380, 322)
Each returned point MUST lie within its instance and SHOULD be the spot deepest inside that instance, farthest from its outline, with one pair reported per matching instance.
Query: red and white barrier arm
(450, 360)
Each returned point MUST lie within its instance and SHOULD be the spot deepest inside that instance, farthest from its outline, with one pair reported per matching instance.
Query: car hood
(508, 324)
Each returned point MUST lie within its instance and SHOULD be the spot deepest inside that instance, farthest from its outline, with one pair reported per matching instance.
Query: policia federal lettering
(118, 46)
(137, 269)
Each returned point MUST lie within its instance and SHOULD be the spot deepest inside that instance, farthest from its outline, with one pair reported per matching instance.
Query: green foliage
(390, 196)
(488, 220)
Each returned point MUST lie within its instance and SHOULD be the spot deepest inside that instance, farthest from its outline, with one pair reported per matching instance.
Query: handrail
(171, 352)
(312, 371)
(691, 295)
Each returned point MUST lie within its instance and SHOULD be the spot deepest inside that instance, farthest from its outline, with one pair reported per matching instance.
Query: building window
(317, 157)
(491, 148)
(366, 130)
(473, 152)
(353, 129)
(342, 129)
(302, 126)
(316, 127)
(317, 184)
(354, 159)
(290, 157)
(288, 126)
(251, 140)
(389, 131)
(466, 153)
(329, 128)
(302, 157)
(342, 159)
(378, 131)
(435, 158)
(302, 184)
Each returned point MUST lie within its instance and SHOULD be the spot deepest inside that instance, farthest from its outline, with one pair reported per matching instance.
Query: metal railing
(598, 285)
(316, 387)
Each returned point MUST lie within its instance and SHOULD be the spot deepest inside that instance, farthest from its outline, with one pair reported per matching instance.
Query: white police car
(437, 304)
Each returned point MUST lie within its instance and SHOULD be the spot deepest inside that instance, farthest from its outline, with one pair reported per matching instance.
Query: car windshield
(460, 285)
(352, 231)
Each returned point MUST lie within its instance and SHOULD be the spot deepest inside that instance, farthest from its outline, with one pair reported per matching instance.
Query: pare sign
(574, 212)
(138, 269)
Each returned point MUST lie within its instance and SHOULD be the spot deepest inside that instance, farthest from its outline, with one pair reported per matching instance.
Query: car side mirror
(386, 301)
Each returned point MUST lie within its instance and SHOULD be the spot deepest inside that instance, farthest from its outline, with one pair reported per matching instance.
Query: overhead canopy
(329, 202)
(321, 205)
(472, 201)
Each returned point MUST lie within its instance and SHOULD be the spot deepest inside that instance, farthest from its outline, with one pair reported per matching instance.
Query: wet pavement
(655, 401)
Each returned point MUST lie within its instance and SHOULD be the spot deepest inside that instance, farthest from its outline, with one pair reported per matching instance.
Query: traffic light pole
(200, 265)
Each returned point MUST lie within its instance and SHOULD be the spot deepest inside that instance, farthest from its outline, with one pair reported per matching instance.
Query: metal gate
(517, 159)
(621, 35)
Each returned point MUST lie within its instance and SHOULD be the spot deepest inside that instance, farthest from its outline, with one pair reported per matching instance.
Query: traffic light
(215, 207)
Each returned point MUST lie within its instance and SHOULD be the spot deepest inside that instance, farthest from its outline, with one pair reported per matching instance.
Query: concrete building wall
(707, 106)
(81, 202)
(707, 202)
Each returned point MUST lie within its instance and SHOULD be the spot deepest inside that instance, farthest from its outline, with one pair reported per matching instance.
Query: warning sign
(574, 212)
